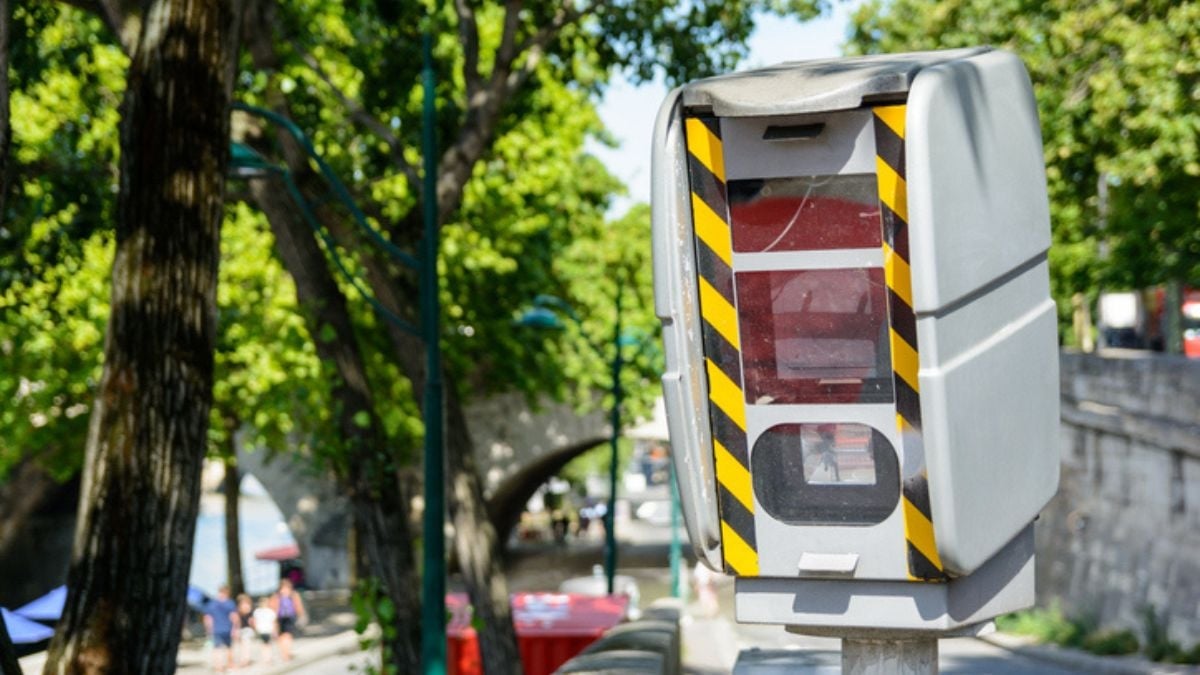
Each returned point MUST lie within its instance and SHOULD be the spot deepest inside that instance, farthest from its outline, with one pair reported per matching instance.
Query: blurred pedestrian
(220, 620)
(560, 525)
(263, 620)
(244, 637)
(585, 521)
(289, 613)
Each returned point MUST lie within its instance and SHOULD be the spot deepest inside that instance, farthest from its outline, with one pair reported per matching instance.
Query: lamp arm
(339, 188)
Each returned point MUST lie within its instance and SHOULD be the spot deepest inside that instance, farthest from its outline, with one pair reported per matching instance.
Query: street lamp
(248, 163)
(543, 315)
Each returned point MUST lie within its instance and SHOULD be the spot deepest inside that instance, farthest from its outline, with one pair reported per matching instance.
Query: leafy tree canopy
(1118, 89)
(529, 217)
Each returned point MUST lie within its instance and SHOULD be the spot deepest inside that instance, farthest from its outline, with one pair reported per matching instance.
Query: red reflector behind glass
(805, 213)
(815, 336)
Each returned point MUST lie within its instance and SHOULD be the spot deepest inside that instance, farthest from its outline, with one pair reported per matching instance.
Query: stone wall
(1123, 534)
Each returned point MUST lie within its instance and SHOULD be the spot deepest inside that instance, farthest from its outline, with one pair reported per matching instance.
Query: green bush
(1159, 645)
(1110, 642)
(1051, 626)
(1045, 625)
(1190, 657)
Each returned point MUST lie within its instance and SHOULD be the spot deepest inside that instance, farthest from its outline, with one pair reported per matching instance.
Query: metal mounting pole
(918, 656)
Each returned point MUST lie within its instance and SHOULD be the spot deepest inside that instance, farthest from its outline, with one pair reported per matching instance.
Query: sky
(629, 111)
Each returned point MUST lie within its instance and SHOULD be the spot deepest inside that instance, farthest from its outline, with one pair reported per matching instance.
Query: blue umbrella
(49, 607)
(22, 631)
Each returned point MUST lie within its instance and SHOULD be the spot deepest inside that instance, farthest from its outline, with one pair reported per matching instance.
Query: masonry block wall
(1123, 535)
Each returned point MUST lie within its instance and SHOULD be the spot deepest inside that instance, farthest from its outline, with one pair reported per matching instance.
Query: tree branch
(565, 15)
(484, 108)
(507, 51)
(468, 34)
(365, 119)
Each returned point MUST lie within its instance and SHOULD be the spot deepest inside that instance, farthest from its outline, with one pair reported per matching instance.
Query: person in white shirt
(263, 621)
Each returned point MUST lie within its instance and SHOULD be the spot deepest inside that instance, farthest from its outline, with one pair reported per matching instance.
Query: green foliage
(1118, 89)
(1052, 626)
(1111, 642)
(1046, 625)
(268, 381)
(1159, 645)
(532, 218)
(596, 462)
(51, 339)
(372, 607)
(682, 40)
(55, 241)
(531, 202)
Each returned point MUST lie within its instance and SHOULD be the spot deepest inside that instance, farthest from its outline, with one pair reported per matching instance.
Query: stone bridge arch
(517, 448)
(315, 511)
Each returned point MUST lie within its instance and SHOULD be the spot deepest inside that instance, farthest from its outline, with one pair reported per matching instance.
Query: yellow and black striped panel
(722, 352)
(923, 560)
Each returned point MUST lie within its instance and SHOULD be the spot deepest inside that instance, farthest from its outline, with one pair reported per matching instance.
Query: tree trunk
(374, 488)
(148, 433)
(477, 548)
(232, 484)
(8, 654)
(22, 493)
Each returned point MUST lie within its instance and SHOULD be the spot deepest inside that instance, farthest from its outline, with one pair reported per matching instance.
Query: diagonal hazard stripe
(889, 146)
(895, 231)
(712, 230)
(721, 342)
(916, 491)
(921, 569)
(738, 554)
(733, 438)
(893, 117)
(712, 123)
(705, 147)
(717, 311)
(908, 404)
(924, 564)
(734, 476)
(898, 274)
(715, 272)
(904, 322)
(905, 426)
(736, 515)
(707, 186)
(905, 361)
(893, 191)
(726, 394)
(918, 530)
(720, 351)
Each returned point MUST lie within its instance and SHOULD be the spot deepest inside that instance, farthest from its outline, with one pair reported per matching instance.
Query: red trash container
(551, 629)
